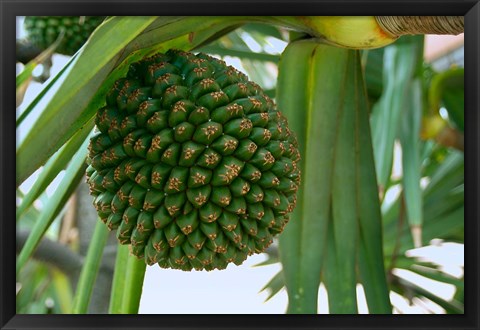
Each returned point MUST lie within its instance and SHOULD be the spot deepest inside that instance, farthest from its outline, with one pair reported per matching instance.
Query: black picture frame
(9, 9)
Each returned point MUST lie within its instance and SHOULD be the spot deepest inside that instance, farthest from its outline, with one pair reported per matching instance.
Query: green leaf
(451, 307)
(306, 100)
(443, 204)
(410, 141)
(31, 280)
(73, 175)
(270, 261)
(454, 101)
(53, 166)
(399, 65)
(370, 257)
(24, 78)
(44, 91)
(90, 269)
(263, 30)
(447, 88)
(64, 112)
(447, 176)
(63, 290)
(223, 51)
(334, 141)
(435, 274)
(274, 286)
(409, 132)
(342, 251)
(292, 81)
(105, 58)
(373, 73)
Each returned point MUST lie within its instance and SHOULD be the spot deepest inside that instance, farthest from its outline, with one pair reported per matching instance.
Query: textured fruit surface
(44, 30)
(193, 165)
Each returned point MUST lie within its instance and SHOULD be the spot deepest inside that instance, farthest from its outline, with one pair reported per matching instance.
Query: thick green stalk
(118, 283)
(90, 269)
(133, 284)
(127, 282)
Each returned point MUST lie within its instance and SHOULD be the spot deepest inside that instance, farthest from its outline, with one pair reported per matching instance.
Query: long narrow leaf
(398, 67)
(274, 285)
(73, 175)
(436, 275)
(263, 30)
(334, 283)
(63, 289)
(303, 243)
(322, 117)
(222, 51)
(84, 78)
(344, 211)
(448, 174)
(54, 165)
(409, 138)
(374, 72)
(447, 88)
(452, 307)
(371, 266)
(292, 79)
(49, 85)
(112, 47)
(24, 78)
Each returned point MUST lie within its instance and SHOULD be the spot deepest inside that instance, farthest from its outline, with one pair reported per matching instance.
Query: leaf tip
(416, 231)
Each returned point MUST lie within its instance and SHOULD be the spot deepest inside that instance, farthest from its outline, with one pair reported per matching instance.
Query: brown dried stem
(405, 25)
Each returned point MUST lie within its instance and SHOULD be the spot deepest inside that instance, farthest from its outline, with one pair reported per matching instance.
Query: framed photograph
(239, 165)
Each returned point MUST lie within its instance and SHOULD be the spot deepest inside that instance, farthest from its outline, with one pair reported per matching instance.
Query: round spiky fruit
(42, 31)
(193, 165)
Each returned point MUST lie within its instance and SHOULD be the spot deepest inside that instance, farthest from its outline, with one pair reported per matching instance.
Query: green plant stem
(133, 284)
(118, 284)
(90, 269)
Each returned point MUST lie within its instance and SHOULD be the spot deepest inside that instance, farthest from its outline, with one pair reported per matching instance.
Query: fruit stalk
(366, 32)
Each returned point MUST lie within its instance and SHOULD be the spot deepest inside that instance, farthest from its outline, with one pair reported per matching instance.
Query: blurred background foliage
(417, 123)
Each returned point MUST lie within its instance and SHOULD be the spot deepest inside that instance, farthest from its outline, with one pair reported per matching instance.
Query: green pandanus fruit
(44, 30)
(193, 166)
